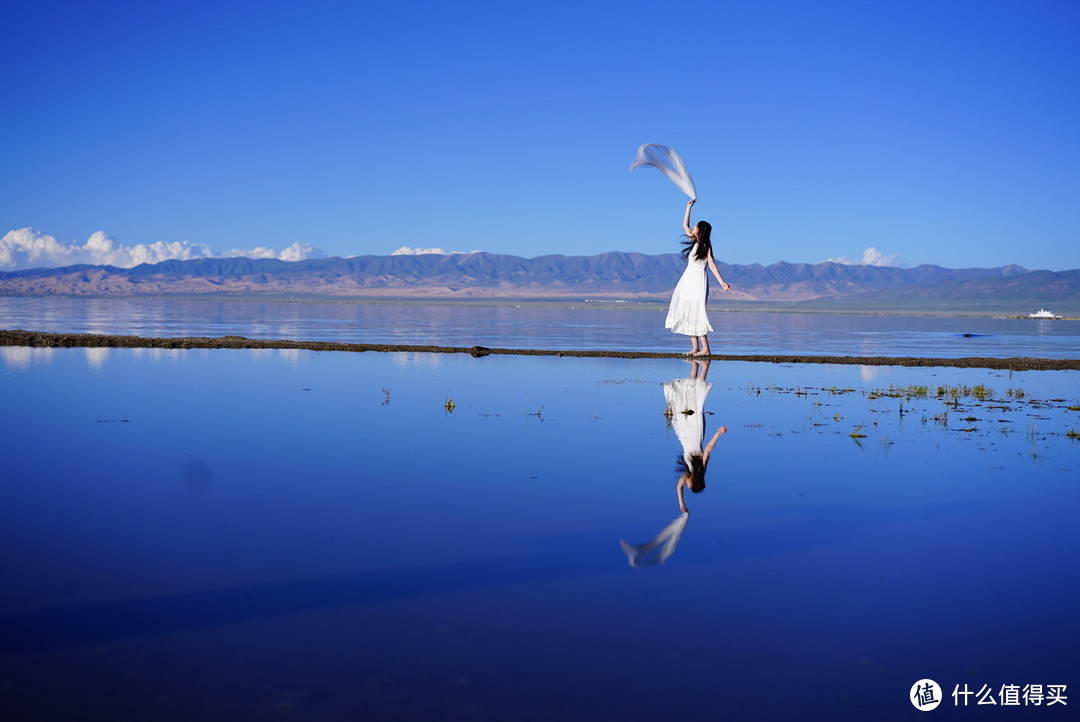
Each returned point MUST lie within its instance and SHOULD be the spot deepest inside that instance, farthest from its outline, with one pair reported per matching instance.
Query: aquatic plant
(910, 391)
(981, 392)
(961, 401)
(1032, 432)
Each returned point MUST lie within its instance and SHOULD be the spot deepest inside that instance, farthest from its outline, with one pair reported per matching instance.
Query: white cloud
(27, 248)
(870, 257)
(296, 252)
(408, 251)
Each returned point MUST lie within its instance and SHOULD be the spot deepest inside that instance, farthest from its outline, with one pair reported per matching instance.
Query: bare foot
(702, 353)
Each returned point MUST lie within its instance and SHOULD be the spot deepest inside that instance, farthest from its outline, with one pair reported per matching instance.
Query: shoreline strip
(39, 339)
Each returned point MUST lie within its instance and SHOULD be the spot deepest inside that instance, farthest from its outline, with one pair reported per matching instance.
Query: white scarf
(667, 162)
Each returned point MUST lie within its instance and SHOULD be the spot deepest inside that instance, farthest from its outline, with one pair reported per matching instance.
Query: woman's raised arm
(686, 218)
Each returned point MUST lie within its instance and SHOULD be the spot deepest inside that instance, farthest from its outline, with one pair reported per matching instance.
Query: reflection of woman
(686, 408)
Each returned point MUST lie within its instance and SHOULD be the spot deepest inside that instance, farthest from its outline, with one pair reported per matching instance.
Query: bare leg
(704, 346)
(693, 346)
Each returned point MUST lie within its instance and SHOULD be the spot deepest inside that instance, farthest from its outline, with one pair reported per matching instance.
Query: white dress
(686, 315)
(684, 395)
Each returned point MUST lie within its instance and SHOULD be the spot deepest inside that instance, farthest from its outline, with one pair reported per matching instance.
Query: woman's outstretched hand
(691, 202)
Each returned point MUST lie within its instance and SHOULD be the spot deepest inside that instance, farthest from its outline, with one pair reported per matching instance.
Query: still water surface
(265, 535)
(582, 327)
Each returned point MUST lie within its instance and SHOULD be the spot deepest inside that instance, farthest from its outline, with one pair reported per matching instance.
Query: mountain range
(614, 275)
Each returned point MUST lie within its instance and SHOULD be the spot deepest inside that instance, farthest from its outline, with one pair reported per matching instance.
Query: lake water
(292, 535)
(529, 326)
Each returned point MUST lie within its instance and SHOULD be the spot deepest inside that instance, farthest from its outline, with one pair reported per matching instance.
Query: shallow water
(324, 536)
(582, 327)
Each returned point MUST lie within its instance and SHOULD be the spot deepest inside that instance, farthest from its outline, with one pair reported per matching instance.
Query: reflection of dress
(684, 395)
(686, 315)
(659, 548)
(681, 395)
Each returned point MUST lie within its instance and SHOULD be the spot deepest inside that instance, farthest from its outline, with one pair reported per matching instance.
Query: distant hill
(607, 275)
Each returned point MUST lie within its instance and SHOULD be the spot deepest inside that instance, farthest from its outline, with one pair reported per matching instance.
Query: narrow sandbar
(88, 340)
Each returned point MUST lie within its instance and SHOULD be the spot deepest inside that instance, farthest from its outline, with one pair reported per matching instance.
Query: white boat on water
(1042, 313)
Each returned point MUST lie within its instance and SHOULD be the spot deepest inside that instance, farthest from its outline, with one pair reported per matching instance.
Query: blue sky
(943, 132)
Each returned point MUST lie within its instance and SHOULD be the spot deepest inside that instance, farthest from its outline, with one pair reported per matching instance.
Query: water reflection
(541, 326)
(869, 374)
(660, 547)
(290, 355)
(174, 355)
(21, 358)
(97, 356)
(235, 571)
(410, 358)
(685, 411)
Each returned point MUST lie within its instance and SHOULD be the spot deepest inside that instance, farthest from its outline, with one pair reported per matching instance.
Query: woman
(687, 312)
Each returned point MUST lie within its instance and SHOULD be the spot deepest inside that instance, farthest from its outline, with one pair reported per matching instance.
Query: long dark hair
(704, 242)
(695, 469)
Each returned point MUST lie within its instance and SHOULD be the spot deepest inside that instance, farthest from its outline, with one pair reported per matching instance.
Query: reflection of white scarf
(660, 548)
(667, 162)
